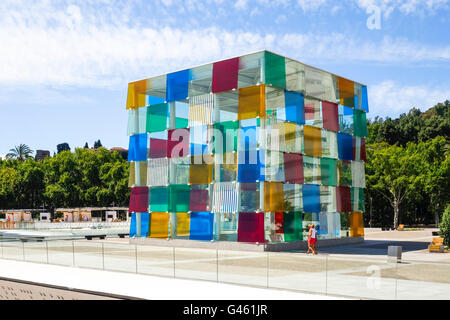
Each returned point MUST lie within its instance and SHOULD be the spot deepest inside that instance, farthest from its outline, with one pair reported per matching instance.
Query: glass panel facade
(248, 149)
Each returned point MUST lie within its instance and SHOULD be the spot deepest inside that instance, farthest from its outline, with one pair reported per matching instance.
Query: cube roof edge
(244, 55)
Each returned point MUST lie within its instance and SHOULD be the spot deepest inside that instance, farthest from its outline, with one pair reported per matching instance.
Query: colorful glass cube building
(248, 149)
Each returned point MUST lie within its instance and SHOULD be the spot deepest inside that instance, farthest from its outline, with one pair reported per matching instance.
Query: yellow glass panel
(356, 224)
(273, 196)
(130, 96)
(134, 179)
(159, 225)
(183, 221)
(251, 102)
(312, 141)
(201, 169)
(292, 139)
(137, 93)
(132, 176)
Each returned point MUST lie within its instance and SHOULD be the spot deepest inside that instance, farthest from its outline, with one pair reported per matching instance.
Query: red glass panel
(343, 199)
(330, 116)
(251, 227)
(279, 224)
(139, 199)
(178, 143)
(293, 168)
(199, 200)
(225, 75)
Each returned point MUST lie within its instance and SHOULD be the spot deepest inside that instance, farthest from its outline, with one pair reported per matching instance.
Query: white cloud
(388, 98)
(308, 5)
(240, 4)
(105, 54)
(78, 46)
(404, 6)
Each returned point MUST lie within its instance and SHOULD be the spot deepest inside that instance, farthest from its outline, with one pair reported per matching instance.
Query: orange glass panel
(346, 92)
(273, 196)
(137, 93)
(251, 102)
(201, 171)
(312, 141)
(356, 224)
(159, 225)
(183, 221)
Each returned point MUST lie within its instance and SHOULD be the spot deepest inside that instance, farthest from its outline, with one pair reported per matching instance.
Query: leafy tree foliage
(412, 127)
(20, 152)
(445, 226)
(63, 147)
(408, 167)
(69, 179)
(97, 144)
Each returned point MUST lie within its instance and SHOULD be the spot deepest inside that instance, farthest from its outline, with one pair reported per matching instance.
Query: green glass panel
(157, 117)
(275, 70)
(328, 168)
(181, 123)
(293, 229)
(361, 199)
(228, 131)
(357, 204)
(360, 123)
(179, 198)
(159, 199)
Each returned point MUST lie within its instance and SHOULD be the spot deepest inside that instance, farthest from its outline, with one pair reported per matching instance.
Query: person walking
(312, 239)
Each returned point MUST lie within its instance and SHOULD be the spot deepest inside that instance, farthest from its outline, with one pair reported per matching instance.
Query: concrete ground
(414, 246)
(128, 285)
(358, 270)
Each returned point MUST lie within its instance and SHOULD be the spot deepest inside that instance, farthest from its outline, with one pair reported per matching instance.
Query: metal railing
(373, 278)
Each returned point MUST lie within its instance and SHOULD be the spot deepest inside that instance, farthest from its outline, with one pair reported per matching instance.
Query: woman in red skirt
(312, 239)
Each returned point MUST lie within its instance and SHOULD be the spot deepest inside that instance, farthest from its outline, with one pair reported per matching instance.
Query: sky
(65, 65)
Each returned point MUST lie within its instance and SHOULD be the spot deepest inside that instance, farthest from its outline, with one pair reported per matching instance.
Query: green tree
(392, 173)
(63, 147)
(20, 152)
(97, 144)
(445, 226)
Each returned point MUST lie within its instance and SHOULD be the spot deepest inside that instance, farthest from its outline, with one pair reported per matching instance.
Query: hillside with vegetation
(408, 168)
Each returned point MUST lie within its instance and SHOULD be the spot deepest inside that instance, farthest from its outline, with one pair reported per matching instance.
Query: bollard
(394, 254)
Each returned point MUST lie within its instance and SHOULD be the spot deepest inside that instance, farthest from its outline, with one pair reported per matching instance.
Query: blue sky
(65, 65)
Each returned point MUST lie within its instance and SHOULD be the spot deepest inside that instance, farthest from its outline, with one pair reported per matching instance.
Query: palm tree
(20, 152)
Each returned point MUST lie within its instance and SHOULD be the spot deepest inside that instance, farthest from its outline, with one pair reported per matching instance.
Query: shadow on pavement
(374, 247)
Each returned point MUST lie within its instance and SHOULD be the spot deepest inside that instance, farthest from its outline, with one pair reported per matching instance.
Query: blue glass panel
(345, 119)
(177, 85)
(145, 224)
(198, 149)
(345, 146)
(151, 100)
(249, 138)
(295, 107)
(364, 99)
(201, 226)
(133, 225)
(198, 136)
(138, 148)
(311, 198)
(251, 166)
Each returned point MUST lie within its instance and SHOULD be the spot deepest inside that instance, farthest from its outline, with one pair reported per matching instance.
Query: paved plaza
(353, 271)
